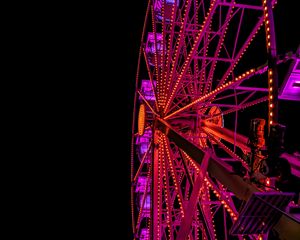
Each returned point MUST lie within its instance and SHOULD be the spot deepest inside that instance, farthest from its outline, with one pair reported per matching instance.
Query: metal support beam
(191, 207)
(214, 59)
(228, 135)
(286, 228)
(272, 66)
(155, 173)
(220, 170)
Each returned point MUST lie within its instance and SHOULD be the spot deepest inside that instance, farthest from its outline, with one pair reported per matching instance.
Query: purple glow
(146, 90)
(167, 9)
(294, 160)
(147, 203)
(150, 46)
(144, 147)
(151, 49)
(141, 184)
(143, 142)
(290, 89)
(145, 234)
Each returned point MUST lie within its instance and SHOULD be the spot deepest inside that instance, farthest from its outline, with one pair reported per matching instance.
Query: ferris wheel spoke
(204, 62)
(167, 189)
(159, 62)
(236, 105)
(241, 106)
(228, 151)
(204, 210)
(206, 42)
(188, 60)
(241, 51)
(170, 46)
(227, 135)
(218, 48)
(173, 173)
(192, 204)
(227, 96)
(187, 161)
(238, 31)
(169, 202)
(207, 213)
(248, 104)
(157, 73)
(212, 94)
(161, 80)
(180, 40)
(225, 198)
(194, 67)
(242, 90)
(238, 56)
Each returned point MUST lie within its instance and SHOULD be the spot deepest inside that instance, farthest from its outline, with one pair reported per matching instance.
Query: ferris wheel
(206, 90)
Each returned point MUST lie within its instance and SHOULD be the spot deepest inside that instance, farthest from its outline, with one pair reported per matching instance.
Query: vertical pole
(235, 122)
(272, 67)
(225, 225)
(154, 212)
